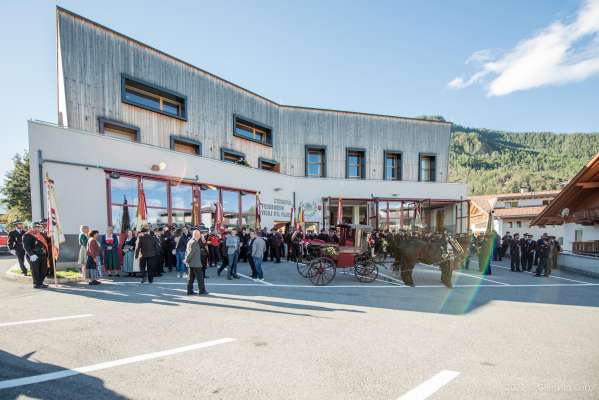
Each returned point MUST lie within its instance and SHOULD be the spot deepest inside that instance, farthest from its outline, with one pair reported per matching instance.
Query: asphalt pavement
(508, 335)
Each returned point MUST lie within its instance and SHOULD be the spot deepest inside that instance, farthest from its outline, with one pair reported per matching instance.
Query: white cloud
(561, 53)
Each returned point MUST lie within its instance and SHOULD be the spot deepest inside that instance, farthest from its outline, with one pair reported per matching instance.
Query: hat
(39, 223)
(16, 222)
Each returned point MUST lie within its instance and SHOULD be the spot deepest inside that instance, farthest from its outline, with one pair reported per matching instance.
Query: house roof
(60, 10)
(580, 194)
(518, 212)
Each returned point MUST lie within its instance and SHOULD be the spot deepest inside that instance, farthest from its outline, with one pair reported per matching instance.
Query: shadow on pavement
(79, 386)
(471, 291)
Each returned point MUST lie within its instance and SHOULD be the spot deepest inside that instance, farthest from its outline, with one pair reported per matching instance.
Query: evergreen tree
(16, 191)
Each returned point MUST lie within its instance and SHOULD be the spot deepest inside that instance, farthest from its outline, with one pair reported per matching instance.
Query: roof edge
(60, 9)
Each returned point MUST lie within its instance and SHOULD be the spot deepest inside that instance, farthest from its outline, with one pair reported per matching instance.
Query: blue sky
(388, 57)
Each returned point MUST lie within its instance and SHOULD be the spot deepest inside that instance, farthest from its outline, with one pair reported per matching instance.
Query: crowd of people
(525, 253)
(190, 251)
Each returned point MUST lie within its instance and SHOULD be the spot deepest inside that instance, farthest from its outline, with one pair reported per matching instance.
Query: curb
(20, 277)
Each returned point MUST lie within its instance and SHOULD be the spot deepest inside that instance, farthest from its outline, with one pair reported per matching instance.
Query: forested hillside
(501, 162)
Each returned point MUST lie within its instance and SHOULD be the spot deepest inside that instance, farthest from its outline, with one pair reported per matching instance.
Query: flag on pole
(54, 228)
(300, 216)
(292, 217)
(340, 211)
(218, 207)
(125, 218)
(401, 221)
(142, 210)
(258, 210)
(195, 209)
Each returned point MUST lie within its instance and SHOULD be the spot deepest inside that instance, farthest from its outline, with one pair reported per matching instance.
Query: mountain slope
(501, 162)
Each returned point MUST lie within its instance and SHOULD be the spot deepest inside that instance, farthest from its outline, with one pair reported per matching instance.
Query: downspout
(40, 171)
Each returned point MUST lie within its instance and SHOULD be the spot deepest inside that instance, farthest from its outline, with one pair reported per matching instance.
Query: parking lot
(505, 335)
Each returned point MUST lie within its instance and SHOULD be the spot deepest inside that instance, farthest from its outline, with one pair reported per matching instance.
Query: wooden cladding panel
(94, 58)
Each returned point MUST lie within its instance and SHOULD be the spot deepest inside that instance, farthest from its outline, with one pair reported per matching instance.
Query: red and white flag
(142, 209)
(340, 211)
(54, 228)
(218, 216)
(258, 210)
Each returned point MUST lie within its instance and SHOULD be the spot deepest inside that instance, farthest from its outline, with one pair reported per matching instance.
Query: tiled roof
(518, 212)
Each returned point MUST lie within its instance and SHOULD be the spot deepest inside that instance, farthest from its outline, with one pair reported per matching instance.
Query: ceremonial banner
(195, 209)
(54, 228)
(218, 216)
(142, 210)
(258, 211)
(340, 211)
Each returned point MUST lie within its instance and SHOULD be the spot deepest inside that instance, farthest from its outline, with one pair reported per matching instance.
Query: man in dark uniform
(15, 244)
(505, 243)
(543, 248)
(530, 248)
(554, 250)
(515, 253)
(36, 252)
(244, 239)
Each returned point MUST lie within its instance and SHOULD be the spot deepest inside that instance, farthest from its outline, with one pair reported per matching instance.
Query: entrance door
(440, 220)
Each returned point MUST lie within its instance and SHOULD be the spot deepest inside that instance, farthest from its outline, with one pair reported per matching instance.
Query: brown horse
(410, 249)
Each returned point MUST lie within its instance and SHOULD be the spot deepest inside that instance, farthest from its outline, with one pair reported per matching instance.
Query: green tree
(16, 192)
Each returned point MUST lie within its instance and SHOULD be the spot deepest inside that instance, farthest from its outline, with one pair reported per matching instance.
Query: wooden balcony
(590, 247)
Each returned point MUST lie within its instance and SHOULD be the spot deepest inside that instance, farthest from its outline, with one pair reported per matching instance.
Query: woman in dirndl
(129, 253)
(82, 260)
(110, 249)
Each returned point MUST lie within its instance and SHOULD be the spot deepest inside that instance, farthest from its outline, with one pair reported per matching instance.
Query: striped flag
(195, 209)
(258, 210)
(54, 228)
(340, 211)
(218, 211)
(142, 210)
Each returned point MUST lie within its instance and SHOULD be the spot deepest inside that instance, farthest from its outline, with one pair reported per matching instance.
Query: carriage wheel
(366, 271)
(303, 266)
(322, 271)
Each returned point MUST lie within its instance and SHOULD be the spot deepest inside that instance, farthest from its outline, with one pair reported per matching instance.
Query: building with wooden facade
(132, 116)
(513, 212)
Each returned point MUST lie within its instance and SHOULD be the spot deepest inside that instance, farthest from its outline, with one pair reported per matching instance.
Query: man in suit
(146, 247)
(36, 252)
(15, 244)
(515, 253)
(195, 261)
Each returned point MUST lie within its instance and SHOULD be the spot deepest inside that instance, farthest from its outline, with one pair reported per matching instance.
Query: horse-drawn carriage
(319, 261)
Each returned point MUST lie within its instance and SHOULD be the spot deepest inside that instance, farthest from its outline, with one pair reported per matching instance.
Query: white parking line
(35, 321)
(431, 386)
(550, 276)
(10, 383)
(472, 276)
(254, 280)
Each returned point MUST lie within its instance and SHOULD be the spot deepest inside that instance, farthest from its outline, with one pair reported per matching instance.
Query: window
(510, 224)
(427, 172)
(269, 165)
(546, 202)
(118, 130)
(578, 235)
(153, 98)
(355, 164)
(181, 203)
(209, 197)
(315, 161)
(156, 201)
(232, 156)
(230, 208)
(253, 131)
(123, 199)
(392, 169)
(186, 145)
(518, 224)
(248, 209)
